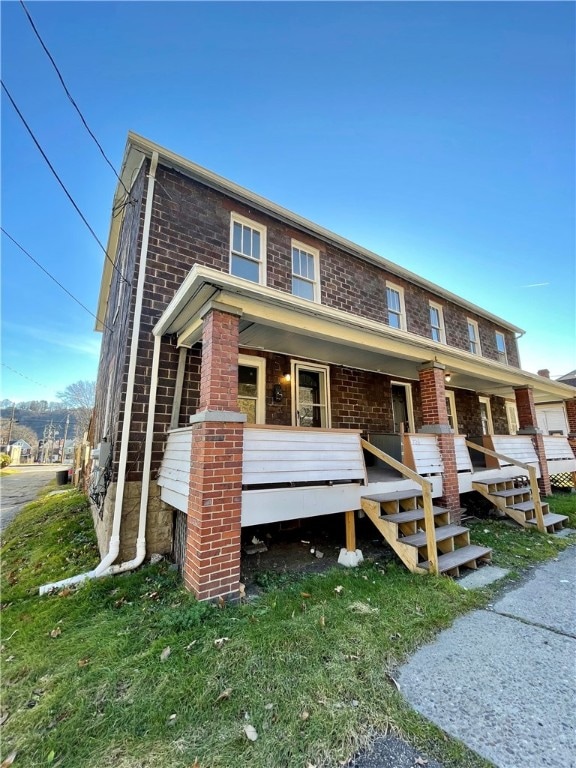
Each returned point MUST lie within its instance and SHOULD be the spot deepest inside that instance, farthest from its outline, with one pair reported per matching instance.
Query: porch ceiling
(274, 321)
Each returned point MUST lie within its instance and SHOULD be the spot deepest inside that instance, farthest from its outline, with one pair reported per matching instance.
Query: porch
(298, 472)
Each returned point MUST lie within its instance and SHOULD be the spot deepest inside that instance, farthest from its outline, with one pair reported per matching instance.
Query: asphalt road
(18, 489)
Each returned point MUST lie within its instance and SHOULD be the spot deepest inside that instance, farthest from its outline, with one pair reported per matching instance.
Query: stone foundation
(158, 523)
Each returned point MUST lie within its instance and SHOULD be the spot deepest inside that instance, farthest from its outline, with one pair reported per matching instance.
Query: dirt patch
(303, 546)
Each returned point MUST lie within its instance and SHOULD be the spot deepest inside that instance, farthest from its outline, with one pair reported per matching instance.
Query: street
(23, 486)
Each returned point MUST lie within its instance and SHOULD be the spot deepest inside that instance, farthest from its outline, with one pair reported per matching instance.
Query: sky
(440, 135)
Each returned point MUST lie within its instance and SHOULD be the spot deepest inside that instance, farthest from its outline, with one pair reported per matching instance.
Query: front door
(512, 416)
(310, 395)
(402, 407)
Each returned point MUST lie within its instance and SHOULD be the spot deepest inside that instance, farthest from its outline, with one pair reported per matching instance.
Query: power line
(24, 377)
(76, 107)
(16, 243)
(68, 195)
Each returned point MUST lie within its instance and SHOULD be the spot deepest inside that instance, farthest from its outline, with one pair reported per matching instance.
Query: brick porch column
(571, 414)
(435, 421)
(212, 559)
(528, 425)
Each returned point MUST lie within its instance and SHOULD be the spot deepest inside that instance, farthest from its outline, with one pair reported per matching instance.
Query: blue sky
(440, 135)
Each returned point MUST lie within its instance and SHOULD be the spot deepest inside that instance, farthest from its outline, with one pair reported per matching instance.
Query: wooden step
(525, 506)
(395, 496)
(488, 482)
(462, 556)
(442, 533)
(549, 519)
(511, 492)
(411, 515)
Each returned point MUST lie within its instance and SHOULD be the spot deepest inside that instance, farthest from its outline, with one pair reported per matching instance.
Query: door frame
(409, 404)
(486, 400)
(301, 365)
(252, 361)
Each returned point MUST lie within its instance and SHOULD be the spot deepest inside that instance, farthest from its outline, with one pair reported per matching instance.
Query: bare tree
(80, 397)
(17, 432)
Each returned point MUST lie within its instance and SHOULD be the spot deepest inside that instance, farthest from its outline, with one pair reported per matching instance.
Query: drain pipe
(103, 568)
(141, 539)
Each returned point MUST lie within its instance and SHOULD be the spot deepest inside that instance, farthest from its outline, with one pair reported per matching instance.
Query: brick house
(280, 371)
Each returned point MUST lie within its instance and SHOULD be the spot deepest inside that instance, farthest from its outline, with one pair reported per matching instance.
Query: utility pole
(65, 434)
(11, 422)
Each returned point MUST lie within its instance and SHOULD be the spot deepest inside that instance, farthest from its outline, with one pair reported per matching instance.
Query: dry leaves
(420, 761)
(224, 695)
(220, 641)
(251, 732)
(83, 662)
(362, 608)
(165, 653)
(305, 594)
(56, 632)
(305, 715)
(9, 760)
(338, 589)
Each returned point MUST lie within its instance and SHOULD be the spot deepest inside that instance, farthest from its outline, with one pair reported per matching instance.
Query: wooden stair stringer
(518, 505)
(390, 531)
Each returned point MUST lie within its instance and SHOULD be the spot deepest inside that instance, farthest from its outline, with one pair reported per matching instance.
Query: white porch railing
(301, 455)
(559, 455)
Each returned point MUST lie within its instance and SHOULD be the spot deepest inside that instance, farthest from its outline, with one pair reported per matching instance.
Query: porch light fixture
(286, 377)
(447, 377)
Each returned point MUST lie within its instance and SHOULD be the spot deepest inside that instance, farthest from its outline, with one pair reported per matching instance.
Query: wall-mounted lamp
(447, 377)
(286, 377)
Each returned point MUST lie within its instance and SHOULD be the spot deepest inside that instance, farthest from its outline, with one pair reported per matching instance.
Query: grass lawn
(132, 672)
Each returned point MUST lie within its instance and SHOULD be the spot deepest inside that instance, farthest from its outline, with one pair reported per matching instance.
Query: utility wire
(68, 195)
(76, 107)
(16, 243)
(24, 377)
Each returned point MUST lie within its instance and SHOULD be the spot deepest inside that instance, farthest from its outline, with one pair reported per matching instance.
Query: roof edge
(220, 183)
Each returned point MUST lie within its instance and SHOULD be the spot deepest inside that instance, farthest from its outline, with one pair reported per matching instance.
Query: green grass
(516, 548)
(309, 663)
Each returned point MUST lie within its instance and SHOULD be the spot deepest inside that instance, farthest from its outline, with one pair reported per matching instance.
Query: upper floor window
(501, 347)
(247, 249)
(305, 269)
(395, 304)
(473, 337)
(437, 323)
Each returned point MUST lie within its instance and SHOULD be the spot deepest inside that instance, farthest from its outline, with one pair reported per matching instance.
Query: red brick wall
(432, 393)
(191, 224)
(526, 409)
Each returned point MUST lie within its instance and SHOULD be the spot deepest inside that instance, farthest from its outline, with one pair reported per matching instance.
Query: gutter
(105, 567)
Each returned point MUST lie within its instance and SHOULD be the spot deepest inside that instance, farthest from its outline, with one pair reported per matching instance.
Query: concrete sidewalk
(503, 680)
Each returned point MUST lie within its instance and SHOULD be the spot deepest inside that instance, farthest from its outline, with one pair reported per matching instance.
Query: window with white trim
(305, 271)
(437, 323)
(501, 347)
(395, 305)
(473, 337)
(247, 249)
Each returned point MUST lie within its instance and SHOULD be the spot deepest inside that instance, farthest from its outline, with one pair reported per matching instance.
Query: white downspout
(141, 539)
(103, 568)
